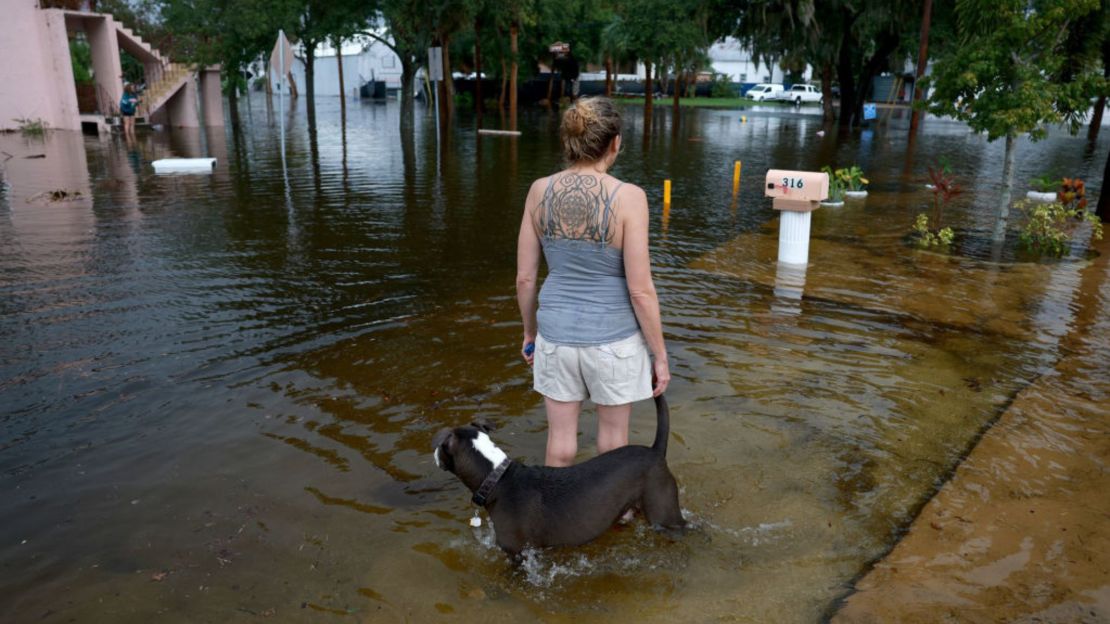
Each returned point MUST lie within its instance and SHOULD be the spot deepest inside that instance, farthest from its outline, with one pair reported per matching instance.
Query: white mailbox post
(795, 194)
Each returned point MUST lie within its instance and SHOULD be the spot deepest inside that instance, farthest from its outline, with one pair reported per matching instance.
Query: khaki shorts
(608, 374)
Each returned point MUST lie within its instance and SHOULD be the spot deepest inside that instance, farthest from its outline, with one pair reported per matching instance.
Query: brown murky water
(218, 392)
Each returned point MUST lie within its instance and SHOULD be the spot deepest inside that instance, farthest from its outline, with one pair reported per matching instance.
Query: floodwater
(219, 392)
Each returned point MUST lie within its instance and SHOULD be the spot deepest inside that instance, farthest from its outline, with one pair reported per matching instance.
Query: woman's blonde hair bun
(588, 128)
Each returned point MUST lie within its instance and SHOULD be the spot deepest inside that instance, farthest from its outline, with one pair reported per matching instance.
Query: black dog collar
(492, 478)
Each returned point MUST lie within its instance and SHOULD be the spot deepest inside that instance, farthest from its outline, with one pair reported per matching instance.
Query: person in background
(128, 105)
(597, 324)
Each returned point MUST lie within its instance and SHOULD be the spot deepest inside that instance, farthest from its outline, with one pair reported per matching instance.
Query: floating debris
(58, 195)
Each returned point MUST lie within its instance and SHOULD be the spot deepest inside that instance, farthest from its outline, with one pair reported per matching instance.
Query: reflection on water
(219, 391)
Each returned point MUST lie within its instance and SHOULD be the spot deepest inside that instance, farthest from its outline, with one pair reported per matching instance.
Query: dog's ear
(440, 438)
(482, 425)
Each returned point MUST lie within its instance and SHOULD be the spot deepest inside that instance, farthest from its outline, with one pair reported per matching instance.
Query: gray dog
(540, 506)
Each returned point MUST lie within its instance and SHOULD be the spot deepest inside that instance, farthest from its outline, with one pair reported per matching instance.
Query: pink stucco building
(37, 80)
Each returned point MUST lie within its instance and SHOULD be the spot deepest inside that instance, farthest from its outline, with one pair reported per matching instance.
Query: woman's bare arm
(528, 251)
(641, 289)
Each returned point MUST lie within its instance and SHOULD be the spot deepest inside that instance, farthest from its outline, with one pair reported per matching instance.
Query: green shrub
(80, 56)
(1048, 228)
(927, 239)
(464, 100)
(722, 87)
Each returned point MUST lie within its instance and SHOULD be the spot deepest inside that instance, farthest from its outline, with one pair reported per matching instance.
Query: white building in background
(364, 59)
(728, 57)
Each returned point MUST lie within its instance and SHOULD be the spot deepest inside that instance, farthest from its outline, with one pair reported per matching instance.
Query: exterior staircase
(163, 77)
(173, 77)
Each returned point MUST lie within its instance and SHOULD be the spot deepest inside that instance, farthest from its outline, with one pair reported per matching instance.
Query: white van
(764, 91)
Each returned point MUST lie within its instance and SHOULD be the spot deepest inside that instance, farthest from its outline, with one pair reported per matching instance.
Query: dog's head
(468, 452)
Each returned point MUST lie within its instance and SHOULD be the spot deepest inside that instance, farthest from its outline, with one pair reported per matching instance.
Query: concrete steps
(173, 77)
(164, 77)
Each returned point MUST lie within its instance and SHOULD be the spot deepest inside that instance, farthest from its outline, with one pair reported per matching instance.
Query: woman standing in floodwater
(598, 312)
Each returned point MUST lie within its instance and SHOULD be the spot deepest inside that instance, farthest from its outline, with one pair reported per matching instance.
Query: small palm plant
(944, 187)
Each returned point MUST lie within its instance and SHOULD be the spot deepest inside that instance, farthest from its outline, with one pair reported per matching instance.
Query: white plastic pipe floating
(184, 165)
(795, 194)
(500, 132)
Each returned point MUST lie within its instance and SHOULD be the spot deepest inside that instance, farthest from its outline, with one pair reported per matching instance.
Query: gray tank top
(584, 300)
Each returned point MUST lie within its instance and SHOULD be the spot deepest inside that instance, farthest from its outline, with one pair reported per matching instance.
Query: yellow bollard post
(736, 178)
(666, 192)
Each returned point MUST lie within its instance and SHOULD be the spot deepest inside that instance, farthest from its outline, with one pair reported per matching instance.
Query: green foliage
(80, 55)
(836, 184)
(464, 100)
(722, 87)
(927, 238)
(852, 177)
(32, 127)
(133, 70)
(1045, 183)
(232, 33)
(1048, 228)
(1003, 78)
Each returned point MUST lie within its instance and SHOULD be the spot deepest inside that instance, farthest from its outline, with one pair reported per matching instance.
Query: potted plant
(853, 181)
(1044, 188)
(836, 188)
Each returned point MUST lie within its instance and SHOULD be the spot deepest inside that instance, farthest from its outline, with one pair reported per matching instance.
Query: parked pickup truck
(800, 93)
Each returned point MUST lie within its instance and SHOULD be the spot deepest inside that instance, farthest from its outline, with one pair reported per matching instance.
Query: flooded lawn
(219, 392)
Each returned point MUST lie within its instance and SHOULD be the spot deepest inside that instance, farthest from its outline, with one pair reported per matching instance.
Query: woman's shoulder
(627, 191)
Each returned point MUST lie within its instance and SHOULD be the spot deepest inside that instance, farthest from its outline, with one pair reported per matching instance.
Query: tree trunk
(647, 94)
(233, 104)
(887, 44)
(504, 79)
(922, 58)
(847, 79)
(1096, 118)
(448, 79)
(674, 112)
(408, 79)
(1103, 209)
(550, 86)
(441, 91)
(479, 105)
(309, 77)
(608, 76)
(826, 92)
(514, 30)
(342, 89)
(1007, 190)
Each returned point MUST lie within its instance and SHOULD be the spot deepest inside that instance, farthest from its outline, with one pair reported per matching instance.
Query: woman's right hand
(528, 354)
(660, 376)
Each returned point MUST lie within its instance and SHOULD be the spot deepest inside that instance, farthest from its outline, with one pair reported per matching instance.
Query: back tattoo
(573, 207)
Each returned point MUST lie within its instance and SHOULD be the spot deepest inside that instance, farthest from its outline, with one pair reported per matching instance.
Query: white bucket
(1038, 196)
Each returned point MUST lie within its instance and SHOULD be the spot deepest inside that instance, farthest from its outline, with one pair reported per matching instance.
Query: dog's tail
(663, 425)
